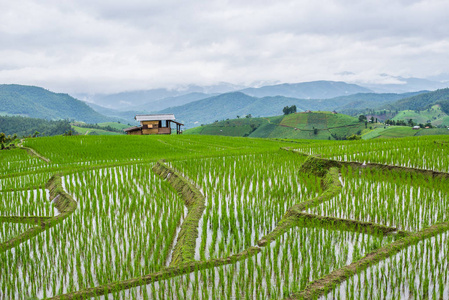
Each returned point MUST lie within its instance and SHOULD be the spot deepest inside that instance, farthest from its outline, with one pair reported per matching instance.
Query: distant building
(334, 112)
(154, 124)
(416, 127)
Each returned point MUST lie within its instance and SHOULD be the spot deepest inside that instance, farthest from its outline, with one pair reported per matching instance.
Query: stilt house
(154, 124)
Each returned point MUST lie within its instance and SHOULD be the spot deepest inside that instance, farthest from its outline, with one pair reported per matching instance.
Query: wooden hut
(154, 124)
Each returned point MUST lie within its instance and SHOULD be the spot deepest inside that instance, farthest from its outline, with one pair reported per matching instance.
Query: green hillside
(423, 101)
(105, 128)
(358, 104)
(312, 125)
(434, 115)
(93, 131)
(36, 102)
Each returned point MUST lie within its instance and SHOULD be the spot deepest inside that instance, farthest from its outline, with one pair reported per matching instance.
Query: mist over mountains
(161, 98)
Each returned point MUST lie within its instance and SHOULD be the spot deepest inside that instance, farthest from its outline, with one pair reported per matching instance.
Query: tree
(353, 137)
(315, 131)
(5, 140)
(362, 118)
(289, 110)
(249, 116)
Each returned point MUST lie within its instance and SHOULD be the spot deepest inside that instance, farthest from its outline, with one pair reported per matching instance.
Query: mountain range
(307, 90)
(201, 107)
(156, 98)
(231, 105)
(161, 98)
(36, 102)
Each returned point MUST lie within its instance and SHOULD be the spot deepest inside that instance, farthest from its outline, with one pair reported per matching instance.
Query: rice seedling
(245, 197)
(123, 228)
(288, 264)
(417, 272)
(128, 219)
(426, 152)
(407, 201)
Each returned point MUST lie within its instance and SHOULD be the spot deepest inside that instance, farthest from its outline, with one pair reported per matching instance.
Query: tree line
(27, 127)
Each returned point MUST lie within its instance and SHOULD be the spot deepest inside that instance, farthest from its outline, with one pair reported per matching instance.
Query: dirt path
(33, 152)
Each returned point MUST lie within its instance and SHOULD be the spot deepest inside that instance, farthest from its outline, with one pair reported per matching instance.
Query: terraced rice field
(198, 217)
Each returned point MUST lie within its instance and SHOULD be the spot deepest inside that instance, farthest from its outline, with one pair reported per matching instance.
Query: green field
(402, 131)
(93, 131)
(105, 128)
(217, 217)
(312, 125)
(114, 125)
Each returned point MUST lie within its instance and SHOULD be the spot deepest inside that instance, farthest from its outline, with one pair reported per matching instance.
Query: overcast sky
(109, 46)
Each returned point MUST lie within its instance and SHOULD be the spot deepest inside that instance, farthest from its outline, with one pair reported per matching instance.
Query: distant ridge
(141, 99)
(235, 104)
(423, 101)
(36, 102)
(308, 90)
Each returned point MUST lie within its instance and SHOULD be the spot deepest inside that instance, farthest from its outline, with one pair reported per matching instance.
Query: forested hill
(423, 101)
(36, 102)
(23, 126)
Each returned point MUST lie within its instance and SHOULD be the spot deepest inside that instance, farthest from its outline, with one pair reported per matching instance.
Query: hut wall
(135, 132)
(150, 124)
(150, 131)
(164, 130)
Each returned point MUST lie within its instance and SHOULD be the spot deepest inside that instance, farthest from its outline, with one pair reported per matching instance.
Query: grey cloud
(82, 45)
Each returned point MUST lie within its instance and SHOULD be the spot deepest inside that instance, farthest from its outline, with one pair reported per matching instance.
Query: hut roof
(132, 128)
(155, 117)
